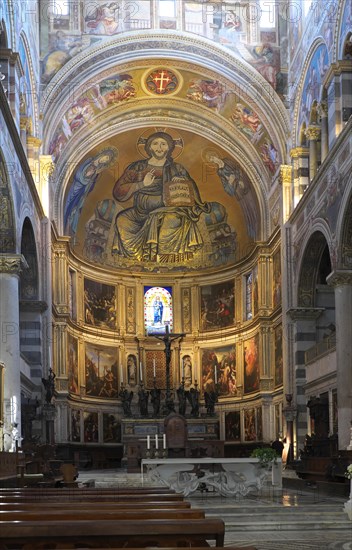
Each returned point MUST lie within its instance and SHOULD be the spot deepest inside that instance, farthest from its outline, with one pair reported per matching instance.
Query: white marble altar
(226, 476)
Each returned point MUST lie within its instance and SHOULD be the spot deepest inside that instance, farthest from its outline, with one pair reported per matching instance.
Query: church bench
(116, 534)
(71, 495)
(60, 514)
(90, 505)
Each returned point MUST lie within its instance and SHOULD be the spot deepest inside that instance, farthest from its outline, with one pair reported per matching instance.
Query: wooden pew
(91, 505)
(114, 533)
(71, 495)
(97, 514)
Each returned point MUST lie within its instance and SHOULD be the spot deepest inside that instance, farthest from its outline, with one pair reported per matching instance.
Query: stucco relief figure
(162, 222)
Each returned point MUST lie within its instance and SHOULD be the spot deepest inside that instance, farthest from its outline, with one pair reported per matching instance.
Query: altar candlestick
(148, 441)
(156, 442)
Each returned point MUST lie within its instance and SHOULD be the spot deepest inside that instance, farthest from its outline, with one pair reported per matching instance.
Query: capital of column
(305, 313)
(299, 152)
(313, 133)
(34, 142)
(340, 278)
(12, 264)
(26, 123)
(285, 173)
(323, 109)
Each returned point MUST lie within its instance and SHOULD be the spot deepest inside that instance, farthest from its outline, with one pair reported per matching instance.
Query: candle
(140, 371)
(154, 368)
(148, 441)
(156, 442)
(121, 374)
(183, 369)
(164, 441)
(216, 374)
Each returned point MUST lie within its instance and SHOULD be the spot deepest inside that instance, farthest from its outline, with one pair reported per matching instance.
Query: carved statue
(143, 401)
(155, 400)
(193, 398)
(210, 399)
(126, 398)
(182, 399)
(49, 385)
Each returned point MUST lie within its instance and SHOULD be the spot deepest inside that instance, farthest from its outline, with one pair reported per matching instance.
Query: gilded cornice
(335, 69)
(12, 264)
(299, 152)
(341, 277)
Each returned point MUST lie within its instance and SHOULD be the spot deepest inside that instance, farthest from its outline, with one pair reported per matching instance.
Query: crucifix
(168, 338)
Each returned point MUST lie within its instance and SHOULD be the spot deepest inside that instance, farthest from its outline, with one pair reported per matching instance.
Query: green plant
(265, 455)
(348, 472)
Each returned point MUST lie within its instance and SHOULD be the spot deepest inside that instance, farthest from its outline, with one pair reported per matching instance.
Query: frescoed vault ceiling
(208, 204)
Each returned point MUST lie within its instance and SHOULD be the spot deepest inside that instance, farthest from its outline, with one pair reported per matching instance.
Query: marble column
(341, 280)
(323, 112)
(300, 156)
(10, 267)
(313, 134)
(287, 191)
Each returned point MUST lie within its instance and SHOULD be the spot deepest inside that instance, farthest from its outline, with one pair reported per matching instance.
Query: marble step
(279, 525)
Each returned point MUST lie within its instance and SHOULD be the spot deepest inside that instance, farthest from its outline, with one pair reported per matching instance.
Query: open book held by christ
(178, 192)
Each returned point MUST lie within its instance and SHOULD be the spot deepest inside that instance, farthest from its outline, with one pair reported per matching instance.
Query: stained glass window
(158, 309)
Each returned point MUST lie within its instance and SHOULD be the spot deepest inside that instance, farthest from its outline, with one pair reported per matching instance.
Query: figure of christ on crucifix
(168, 338)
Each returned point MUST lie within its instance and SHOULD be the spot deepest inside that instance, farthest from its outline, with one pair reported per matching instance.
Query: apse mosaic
(217, 306)
(160, 200)
(158, 309)
(251, 365)
(219, 369)
(101, 376)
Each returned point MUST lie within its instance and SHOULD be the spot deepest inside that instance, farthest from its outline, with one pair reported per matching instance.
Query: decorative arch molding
(7, 225)
(222, 138)
(4, 42)
(175, 46)
(345, 230)
(29, 279)
(10, 10)
(309, 268)
(32, 83)
(299, 90)
(341, 30)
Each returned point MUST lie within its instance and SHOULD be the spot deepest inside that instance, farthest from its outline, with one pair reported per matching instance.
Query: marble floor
(286, 520)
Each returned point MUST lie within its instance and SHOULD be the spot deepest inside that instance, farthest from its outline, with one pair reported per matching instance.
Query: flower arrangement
(348, 472)
(265, 455)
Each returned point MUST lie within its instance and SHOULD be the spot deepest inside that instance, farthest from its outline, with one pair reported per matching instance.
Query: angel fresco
(162, 222)
(84, 181)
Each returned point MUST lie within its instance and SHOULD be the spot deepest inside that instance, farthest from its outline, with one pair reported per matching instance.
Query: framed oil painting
(251, 365)
(99, 304)
(219, 367)
(233, 426)
(217, 306)
(101, 371)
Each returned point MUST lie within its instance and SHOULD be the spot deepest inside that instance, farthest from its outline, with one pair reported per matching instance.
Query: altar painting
(91, 428)
(99, 304)
(111, 428)
(72, 364)
(165, 207)
(249, 425)
(219, 368)
(101, 371)
(233, 426)
(75, 425)
(158, 310)
(251, 365)
(259, 424)
(217, 306)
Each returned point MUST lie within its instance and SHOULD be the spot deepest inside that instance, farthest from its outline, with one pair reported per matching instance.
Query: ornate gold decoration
(299, 152)
(130, 310)
(186, 309)
(285, 173)
(313, 133)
